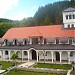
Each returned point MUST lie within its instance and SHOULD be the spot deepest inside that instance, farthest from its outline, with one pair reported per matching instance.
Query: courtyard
(8, 64)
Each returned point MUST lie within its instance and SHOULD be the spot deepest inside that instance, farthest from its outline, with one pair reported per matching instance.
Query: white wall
(68, 21)
(66, 25)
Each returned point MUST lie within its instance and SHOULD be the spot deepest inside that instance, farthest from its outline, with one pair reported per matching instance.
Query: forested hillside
(50, 14)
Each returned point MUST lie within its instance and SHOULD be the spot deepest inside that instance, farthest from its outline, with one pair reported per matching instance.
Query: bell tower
(69, 18)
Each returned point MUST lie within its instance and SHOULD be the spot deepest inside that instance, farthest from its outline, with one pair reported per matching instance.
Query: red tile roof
(44, 31)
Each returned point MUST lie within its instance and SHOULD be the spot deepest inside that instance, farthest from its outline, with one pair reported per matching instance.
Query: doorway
(57, 56)
(34, 57)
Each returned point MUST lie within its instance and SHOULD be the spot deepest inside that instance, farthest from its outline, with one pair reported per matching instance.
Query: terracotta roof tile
(45, 31)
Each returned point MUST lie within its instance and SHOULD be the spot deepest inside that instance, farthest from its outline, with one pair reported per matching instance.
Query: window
(70, 17)
(6, 52)
(44, 41)
(15, 42)
(70, 40)
(73, 16)
(25, 42)
(72, 25)
(6, 42)
(71, 54)
(66, 16)
(57, 40)
(25, 52)
(69, 26)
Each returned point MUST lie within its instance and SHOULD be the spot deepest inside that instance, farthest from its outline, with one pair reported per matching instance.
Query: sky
(19, 9)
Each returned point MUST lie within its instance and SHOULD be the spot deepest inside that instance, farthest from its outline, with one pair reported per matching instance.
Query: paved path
(2, 71)
(27, 64)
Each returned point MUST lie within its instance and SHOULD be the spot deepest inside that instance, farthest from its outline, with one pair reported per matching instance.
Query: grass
(5, 64)
(28, 73)
(14, 72)
(53, 66)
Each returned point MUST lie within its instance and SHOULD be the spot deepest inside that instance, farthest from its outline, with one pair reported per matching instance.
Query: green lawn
(53, 66)
(8, 64)
(28, 73)
(5, 64)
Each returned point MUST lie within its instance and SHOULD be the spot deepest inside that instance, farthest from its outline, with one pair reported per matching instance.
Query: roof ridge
(34, 26)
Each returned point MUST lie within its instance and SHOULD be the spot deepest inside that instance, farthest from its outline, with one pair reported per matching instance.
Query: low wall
(46, 70)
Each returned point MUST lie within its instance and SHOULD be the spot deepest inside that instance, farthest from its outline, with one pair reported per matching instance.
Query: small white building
(69, 18)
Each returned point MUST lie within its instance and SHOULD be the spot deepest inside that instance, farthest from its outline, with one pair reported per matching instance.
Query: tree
(42, 53)
(14, 57)
(47, 21)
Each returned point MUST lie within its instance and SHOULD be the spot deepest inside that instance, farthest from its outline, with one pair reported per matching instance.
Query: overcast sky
(19, 9)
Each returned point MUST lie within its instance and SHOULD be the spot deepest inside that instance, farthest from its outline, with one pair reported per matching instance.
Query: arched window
(6, 52)
(70, 17)
(57, 40)
(66, 17)
(73, 16)
(68, 25)
(72, 25)
(70, 40)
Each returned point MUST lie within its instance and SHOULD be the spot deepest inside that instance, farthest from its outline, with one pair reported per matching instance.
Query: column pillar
(42, 41)
(30, 40)
(3, 54)
(22, 54)
(60, 56)
(68, 57)
(28, 55)
(9, 55)
(44, 55)
(52, 56)
(37, 56)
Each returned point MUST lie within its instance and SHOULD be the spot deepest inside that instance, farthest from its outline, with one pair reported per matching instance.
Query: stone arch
(6, 52)
(57, 56)
(64, 56)
(48, 55)
(11, 53)
(72, 56)
(33, 54)
(19, 54)
(40, 53)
